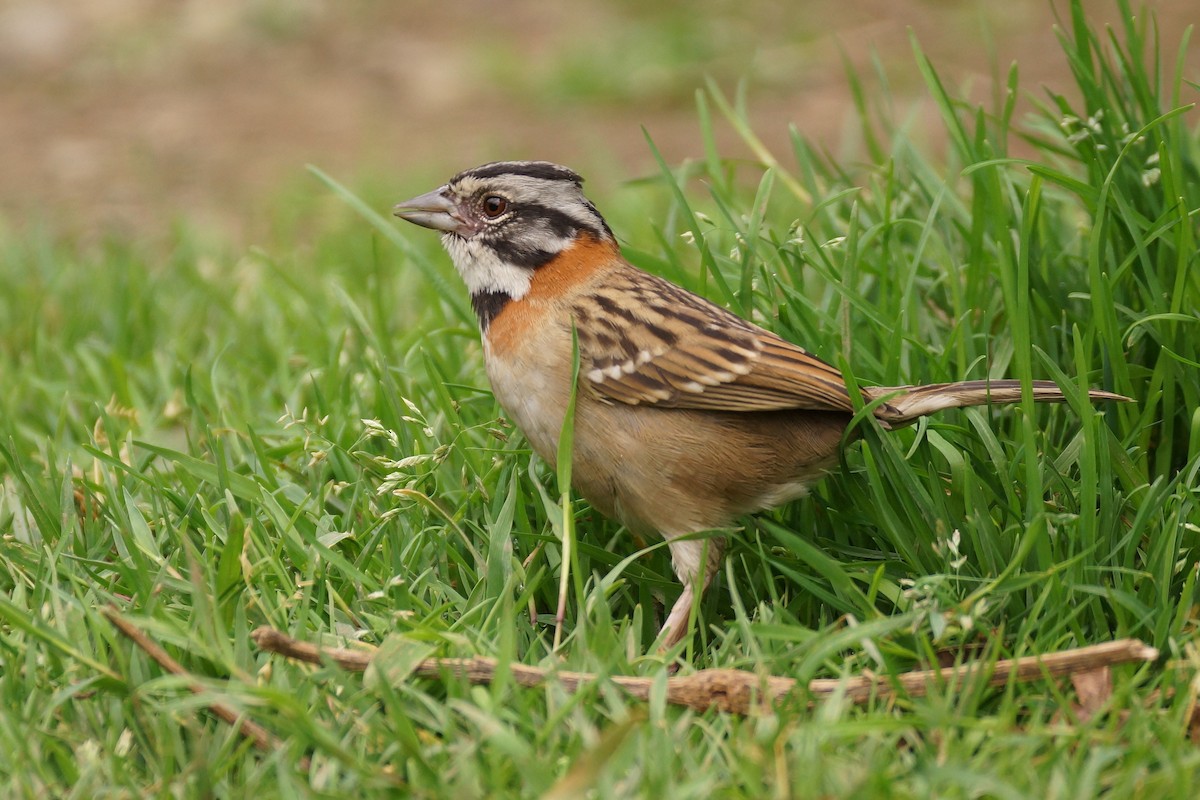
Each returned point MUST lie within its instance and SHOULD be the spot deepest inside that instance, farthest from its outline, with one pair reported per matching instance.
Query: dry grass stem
(740, 691)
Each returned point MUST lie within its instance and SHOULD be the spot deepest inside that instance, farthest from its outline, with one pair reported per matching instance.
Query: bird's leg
(686, 558)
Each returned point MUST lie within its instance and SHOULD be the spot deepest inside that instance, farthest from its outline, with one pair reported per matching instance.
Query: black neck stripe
(488, 305)
(519, 254)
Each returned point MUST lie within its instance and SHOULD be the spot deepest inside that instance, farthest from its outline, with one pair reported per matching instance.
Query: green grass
(302, 436)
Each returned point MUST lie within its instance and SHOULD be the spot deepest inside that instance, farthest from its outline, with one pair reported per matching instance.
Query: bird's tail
(904, 404)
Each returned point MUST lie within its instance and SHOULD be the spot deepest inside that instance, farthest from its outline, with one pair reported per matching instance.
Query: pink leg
(686, 556)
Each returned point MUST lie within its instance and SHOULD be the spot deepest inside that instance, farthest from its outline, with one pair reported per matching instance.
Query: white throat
(483, 271)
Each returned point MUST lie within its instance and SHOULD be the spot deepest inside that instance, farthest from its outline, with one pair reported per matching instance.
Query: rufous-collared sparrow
(687, 416)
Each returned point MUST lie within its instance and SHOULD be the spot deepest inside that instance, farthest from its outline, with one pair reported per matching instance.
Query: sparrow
(687, 416)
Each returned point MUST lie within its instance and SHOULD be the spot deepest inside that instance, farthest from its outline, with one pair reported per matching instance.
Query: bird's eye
(494, 205)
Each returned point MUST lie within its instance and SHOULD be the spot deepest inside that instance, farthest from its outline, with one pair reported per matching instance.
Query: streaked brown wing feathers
(650, 342)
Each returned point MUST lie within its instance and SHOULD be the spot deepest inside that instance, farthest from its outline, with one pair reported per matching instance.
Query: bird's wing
(645, 341)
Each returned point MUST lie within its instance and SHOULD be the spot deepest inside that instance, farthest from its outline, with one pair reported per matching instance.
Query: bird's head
(502, 221)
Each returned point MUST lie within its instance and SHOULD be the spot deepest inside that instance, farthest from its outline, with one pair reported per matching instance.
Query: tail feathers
(904, 404)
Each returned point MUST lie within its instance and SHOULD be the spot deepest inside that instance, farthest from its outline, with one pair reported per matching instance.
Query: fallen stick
(261, 738)
(733, 690)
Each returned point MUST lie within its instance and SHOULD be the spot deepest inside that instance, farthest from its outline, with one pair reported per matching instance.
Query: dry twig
(739, 691)
(261, 738)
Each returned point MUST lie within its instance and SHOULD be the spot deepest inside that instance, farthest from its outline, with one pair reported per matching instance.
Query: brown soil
(128, 114)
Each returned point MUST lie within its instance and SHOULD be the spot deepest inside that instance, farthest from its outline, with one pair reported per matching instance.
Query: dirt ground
(127, 114)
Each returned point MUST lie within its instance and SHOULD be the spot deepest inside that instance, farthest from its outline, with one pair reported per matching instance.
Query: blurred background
(126, 116)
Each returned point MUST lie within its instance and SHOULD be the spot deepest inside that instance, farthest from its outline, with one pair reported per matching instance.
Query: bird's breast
(527, 344)
(528, 357)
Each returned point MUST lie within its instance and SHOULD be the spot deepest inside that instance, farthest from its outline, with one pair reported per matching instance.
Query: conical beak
(433, 210)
